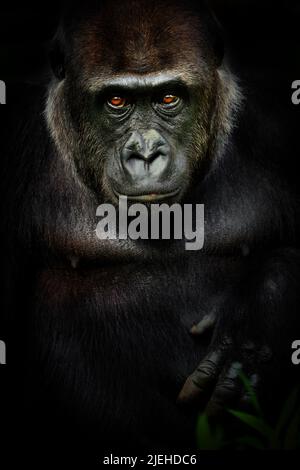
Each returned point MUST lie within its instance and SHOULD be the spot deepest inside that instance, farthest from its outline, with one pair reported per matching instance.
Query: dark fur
(109, 341)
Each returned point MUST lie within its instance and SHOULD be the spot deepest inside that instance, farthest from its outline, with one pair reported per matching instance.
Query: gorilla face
(146, 118)
(143, 123)
(137, 100)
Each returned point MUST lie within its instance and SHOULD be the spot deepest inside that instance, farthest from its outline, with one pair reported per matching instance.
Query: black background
(264, 42)
(263, 33)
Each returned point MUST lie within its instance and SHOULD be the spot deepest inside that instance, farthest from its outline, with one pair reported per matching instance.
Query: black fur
(109, 342)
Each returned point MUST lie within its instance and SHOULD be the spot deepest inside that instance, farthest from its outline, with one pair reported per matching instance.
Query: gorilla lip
(150, 197)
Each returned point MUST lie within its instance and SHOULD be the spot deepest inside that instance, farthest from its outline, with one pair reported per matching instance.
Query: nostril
(147, 158)
(145, 164)
(135, 156)
(154, 156)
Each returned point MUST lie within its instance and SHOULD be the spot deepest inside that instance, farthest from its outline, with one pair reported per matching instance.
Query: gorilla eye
(170, 101)
(117, 102)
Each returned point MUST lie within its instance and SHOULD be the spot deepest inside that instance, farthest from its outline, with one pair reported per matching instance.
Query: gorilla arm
(254, 329)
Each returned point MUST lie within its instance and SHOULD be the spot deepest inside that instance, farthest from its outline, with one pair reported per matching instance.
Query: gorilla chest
(119, 339)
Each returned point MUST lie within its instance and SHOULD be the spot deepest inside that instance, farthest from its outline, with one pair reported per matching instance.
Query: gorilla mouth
(150, 197)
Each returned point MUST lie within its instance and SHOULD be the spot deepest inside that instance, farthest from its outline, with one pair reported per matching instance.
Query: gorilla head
(140, 100)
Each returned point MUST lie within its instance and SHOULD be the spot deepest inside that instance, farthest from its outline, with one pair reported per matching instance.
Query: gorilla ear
(57, 59)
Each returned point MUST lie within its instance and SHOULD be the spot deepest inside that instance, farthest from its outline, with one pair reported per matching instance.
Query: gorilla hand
(216, 382)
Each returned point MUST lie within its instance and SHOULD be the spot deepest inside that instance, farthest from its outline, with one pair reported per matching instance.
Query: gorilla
(127, 341)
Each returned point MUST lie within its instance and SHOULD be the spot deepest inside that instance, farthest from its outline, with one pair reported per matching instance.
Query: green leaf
(249, 389)
(287, 411)
(207, 439)
(255, 423)
(292, 438)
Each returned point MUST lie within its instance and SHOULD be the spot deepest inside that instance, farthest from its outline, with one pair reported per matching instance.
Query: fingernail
(189, 392)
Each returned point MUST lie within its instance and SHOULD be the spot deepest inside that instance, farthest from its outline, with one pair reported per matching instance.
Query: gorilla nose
(145, 155)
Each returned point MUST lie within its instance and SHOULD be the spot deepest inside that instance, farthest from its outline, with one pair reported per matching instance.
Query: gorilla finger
(207, 323)
(227, 391)
(202, 378)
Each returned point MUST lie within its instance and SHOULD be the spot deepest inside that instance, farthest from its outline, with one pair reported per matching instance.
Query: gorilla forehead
(140, 37)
